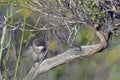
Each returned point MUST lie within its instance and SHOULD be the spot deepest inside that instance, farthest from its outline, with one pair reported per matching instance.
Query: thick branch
(68, 55)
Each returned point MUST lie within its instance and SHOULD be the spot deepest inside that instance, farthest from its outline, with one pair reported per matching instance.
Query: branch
(69, 55)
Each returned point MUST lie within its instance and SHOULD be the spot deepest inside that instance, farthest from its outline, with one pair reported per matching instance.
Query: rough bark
(69, 55)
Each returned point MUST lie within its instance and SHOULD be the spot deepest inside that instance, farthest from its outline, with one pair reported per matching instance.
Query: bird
(38, 45)
(37, 50)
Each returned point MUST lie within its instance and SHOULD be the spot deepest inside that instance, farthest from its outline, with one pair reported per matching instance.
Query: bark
(69, 55)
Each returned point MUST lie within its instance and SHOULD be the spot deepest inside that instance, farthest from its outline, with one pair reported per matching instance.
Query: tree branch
(69, 55)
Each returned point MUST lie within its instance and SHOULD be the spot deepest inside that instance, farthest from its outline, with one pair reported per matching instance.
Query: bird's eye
(38, 44)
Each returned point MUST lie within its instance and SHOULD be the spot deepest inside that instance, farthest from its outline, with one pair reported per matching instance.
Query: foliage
(61, 23)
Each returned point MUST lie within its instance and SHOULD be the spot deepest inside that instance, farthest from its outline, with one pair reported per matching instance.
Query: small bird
(37, 50)
(38, 45)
